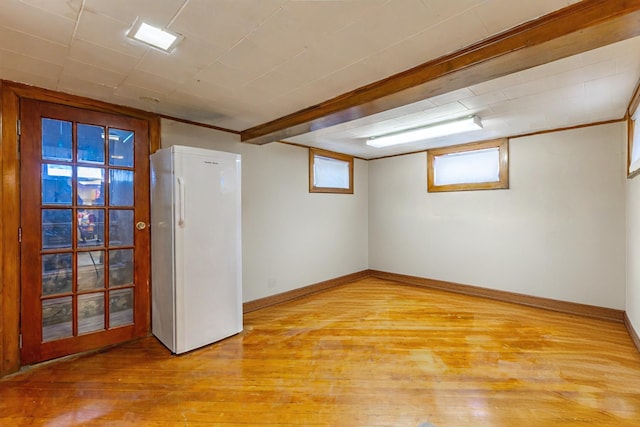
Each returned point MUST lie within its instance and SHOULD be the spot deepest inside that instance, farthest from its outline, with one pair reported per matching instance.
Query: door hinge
(20, 340)
(19, 234)
(19, 127)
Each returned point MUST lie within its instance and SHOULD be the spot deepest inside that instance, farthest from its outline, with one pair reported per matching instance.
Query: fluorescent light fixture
(154, 36)
(449, 127)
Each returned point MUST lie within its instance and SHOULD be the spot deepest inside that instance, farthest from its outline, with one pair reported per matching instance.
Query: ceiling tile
(328, 17)
(142, 96)
(443, 10)
(206, 90)
(588, 72)
(190, 57)
(67, 9)
(34, 47)
(497, 84)
(27, 64)
(482, 101)
(233, 123)
(530, 88)
(193, 52)
(391, 61)
(151, 82)
(556, 82)
(439, 113)
(610, 52)
(344, 54)
(272, 84)
(393, 22)
(222, 74)
(224, 22)
(449, 97)
(614, 91)
(474, 31)
(153, 63)
(409, 121)
(346, 79)
(133, 102)
(75, 69)
(101, 57)
(282, 35)
(434, 42)
(510, 16)
(246, 55)
(311, 65)
(76, 86)
(192, 107)
(108, 32)
(408, 111)
(154, 12)
(46, 81)
(36, 22)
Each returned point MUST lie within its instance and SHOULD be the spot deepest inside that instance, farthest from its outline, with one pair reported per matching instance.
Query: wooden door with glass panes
(84, 230)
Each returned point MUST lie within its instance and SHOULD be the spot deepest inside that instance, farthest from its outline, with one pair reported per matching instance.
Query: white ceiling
(246, 62)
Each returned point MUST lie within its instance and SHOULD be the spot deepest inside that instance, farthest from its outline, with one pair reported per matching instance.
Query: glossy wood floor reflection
(371, 353)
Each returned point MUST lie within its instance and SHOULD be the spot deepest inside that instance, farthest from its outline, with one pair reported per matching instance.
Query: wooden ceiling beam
(581, 27)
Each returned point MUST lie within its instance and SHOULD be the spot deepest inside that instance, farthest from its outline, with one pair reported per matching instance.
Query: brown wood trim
(511, 297)
(10, 215)
(503, 179)
(580, 27)
(200, 124)
(631, 128)
(154, 134)
(635, 100)
(1, 245)
(333, 155)
(573, 308)
(294, 294)
(562, 129)
(40, 94)
(632, 332)
(399, 154)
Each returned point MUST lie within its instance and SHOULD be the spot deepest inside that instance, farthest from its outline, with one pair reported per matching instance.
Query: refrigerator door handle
(181, 204)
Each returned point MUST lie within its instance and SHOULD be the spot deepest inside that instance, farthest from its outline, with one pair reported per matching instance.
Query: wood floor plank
(370, 353)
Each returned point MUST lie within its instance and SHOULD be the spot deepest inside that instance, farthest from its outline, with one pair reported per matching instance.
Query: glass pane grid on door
(87, 217)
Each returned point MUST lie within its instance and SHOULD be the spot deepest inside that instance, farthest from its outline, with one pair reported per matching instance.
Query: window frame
(503, 161)
(632, 110)
(631, 129)
(313, 152)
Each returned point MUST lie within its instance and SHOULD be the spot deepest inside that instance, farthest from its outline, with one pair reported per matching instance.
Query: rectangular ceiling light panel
(154, 36)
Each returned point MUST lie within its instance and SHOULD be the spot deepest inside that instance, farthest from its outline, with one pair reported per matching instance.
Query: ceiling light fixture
(154, 36)
(449, 127)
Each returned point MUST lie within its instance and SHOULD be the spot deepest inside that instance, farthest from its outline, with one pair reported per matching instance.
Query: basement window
(476, 166)
(330, 172)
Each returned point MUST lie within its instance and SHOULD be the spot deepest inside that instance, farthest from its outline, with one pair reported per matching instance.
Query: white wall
(291, 238)
(558, 232)
(633, 252)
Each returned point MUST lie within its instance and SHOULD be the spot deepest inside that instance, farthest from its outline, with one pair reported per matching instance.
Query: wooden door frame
(10, 96)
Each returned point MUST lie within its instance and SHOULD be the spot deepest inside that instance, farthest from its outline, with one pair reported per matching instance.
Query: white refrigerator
(196, 251)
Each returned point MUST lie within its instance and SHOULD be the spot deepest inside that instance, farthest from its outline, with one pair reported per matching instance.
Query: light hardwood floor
(370, 353)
